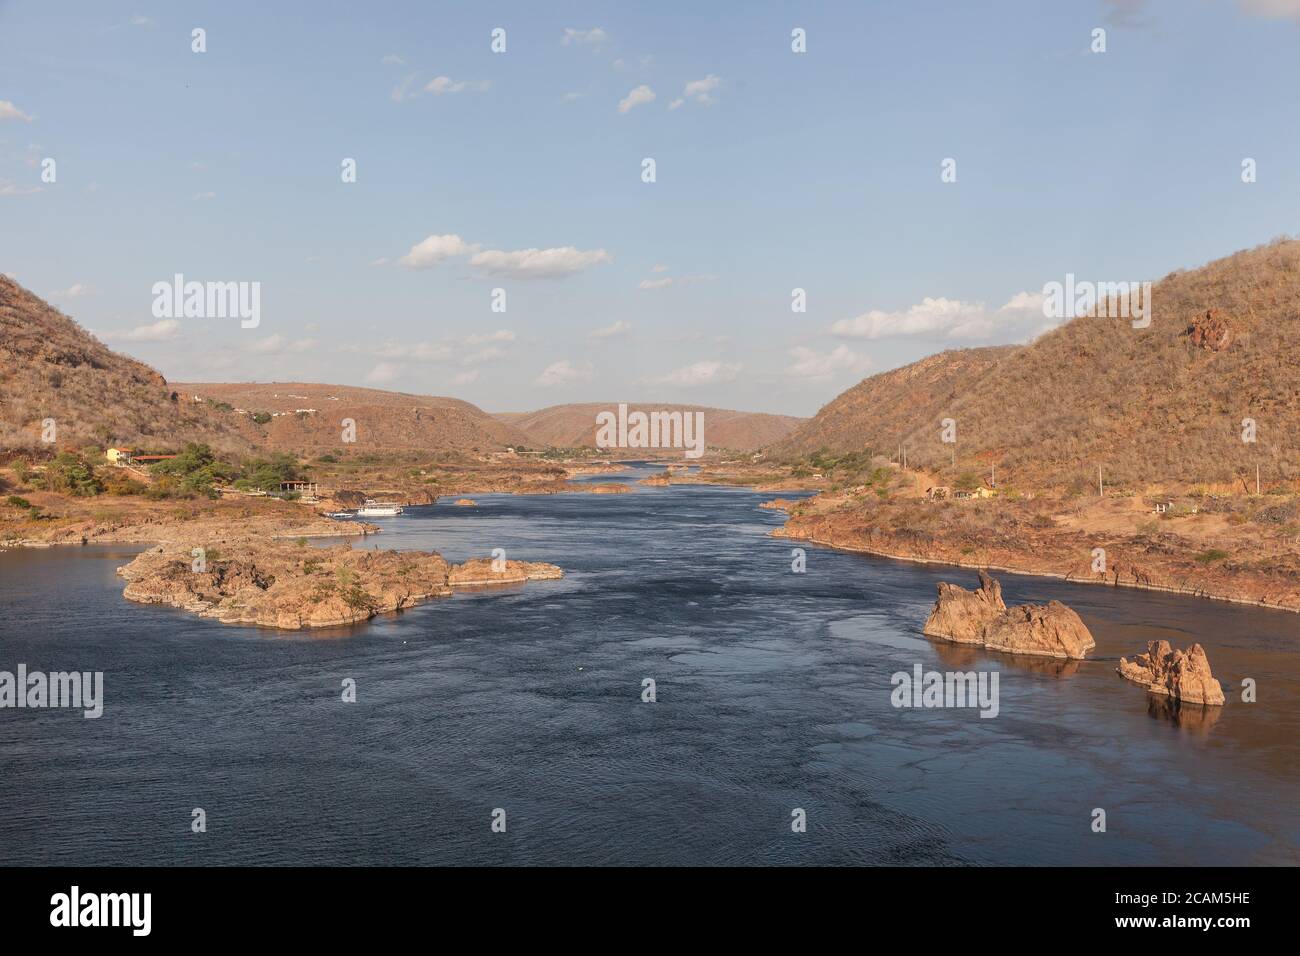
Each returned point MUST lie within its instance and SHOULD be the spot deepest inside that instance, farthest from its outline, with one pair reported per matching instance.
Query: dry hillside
(50, 367)
(573, 426)
(1153, 405)
(309, 417)
(880, 412)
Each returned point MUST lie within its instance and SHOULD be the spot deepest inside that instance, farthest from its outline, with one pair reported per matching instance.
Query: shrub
(71, 474)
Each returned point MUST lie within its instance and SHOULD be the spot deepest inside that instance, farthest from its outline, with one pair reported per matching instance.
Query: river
(773, 695)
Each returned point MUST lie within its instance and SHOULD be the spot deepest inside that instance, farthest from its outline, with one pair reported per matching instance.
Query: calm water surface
(773, 693)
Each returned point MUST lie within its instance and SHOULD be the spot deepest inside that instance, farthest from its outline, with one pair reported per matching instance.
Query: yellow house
(119, 456)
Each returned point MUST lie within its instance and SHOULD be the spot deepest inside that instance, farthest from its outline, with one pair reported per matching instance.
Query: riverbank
(1235, 556)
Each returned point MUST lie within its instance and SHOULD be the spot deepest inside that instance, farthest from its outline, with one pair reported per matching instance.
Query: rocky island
(981, 617)
(292, 586)
(1182, 675)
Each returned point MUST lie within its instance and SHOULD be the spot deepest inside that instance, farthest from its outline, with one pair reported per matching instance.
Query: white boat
(378, 509)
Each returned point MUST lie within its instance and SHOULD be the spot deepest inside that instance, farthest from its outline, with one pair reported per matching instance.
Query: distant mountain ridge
(312, 417)
(574, 425)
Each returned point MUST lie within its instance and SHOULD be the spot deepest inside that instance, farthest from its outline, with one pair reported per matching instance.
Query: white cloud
(500, 335)
(381, 261)
(139, 20)
(76, 290)
(563, 372)
(9, 189)
(518, 264)
(611, 331)
(157, 332)
(639, 95)
(204, 196)
(10, 112)
(280, 344)
(538, 263)
(649, 284)
(489, 354)
(942, 318)
(819, 366)
(415, 351)
(384, 373)
(465, 378)
(432, 250)
(700, 373)
(701, 91)
(659, 267)
(593, 37)
(392, 59)
(445, 84)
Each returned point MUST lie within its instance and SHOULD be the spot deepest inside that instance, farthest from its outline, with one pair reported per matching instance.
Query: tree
(70, 474)
(195, 470)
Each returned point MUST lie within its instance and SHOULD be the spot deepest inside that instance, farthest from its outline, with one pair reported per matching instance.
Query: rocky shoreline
(1039, 557)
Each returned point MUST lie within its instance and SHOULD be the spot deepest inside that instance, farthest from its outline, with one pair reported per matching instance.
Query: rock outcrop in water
(292, 586)
(981, 617)
(1182, 675)
(479, 572)
(961, 616)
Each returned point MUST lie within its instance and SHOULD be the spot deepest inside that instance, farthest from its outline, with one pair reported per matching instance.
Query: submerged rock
(981, 617)
(1182, 675)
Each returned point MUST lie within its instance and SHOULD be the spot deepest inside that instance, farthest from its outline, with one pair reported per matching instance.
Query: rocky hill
(310, 417)
(574, 425)
(51, 368)
(884, 410)
(1161, 404)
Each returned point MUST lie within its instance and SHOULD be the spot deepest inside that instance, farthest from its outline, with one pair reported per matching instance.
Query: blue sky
(776, 171)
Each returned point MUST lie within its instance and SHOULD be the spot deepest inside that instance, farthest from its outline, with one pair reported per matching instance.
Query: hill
(882, 411)
(51, 368)
(573, 426)
(1159, 404)
(310, 417)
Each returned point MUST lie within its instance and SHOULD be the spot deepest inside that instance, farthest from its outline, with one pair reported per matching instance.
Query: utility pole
(993, 477)
(1101, 489)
